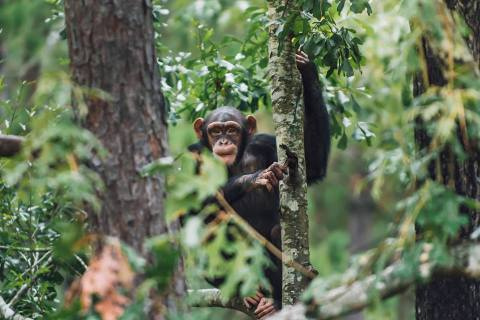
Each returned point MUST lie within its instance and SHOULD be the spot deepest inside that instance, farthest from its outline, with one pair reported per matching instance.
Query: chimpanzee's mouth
(225, 151)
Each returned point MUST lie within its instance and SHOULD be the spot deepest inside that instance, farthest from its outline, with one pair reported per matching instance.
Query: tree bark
(212, 298)
(288, 117)
(451, 296)
(113, 62)
(367, 290)
(470, 11)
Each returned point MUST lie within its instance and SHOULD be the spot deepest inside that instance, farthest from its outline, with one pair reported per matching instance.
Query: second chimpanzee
(253, 170)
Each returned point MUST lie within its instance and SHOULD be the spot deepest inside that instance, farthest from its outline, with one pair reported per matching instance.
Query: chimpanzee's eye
(232, 131)
(215, 131)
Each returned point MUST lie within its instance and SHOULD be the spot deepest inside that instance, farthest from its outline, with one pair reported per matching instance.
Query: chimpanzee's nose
(224, 141)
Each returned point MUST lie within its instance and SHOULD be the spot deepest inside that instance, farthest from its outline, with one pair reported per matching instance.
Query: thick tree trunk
(288, 116)
(113, 62)
(452, 296)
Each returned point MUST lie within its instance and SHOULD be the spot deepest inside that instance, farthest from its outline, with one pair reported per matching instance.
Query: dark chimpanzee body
(253, 170)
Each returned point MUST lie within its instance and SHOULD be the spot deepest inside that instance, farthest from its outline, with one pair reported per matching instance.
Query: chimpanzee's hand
(271, 176)
(254, 300)
(303, 61)
(265, 308)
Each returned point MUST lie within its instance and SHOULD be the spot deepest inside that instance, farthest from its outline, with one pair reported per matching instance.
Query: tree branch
(10, 145)
(345, 299)
(26, 286)
(24, 249)
(8, 313)
(213, 298)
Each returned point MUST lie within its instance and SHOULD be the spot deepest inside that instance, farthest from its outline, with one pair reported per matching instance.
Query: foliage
(214, 53)
(209, 79)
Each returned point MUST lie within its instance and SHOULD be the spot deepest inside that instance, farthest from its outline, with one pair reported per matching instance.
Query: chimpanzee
(253, 170)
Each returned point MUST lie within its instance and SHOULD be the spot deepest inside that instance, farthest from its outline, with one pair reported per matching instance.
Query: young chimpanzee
(253, 170)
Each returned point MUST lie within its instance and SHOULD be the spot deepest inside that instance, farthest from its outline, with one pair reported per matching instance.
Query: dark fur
(260, 207)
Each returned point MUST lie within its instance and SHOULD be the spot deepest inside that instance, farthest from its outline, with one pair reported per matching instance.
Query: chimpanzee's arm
(267, 179)
(258, 159)
(316, 127)
(236, 187)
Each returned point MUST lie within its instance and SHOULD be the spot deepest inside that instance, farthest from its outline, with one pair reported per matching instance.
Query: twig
(81, 262)
(26, 286)
(257, 236)
(25, 249)
(8, 313)
(42, 258)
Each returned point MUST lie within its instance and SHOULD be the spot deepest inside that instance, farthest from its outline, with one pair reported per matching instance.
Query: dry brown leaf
(112, 307)
(108, 271)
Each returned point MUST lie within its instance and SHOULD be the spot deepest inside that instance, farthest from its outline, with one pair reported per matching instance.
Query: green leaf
(342, 143)
(340, 6)
(165, 260)
(358, 6)
(347, 68)
(162, 165)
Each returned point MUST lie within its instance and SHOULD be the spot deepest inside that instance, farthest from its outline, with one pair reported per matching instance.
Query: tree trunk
(452, 296)
(470, 11)
(112, 60)
(288, 117)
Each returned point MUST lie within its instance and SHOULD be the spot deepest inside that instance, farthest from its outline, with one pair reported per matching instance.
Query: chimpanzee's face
(225, 138)
(224, 131)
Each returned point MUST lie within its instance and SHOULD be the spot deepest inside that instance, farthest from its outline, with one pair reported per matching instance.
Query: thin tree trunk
(451, 296)
(288, 117)
(113, 61)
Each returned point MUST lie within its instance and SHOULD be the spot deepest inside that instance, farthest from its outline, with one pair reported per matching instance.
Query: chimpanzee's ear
(251, 125)
(197, 126)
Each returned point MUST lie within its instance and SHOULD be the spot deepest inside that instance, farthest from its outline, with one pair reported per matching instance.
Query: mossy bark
(288, 117)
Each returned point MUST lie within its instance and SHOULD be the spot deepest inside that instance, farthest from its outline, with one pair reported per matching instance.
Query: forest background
(213, 53)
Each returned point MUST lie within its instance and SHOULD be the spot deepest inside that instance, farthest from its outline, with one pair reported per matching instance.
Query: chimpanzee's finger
(300, 59)
(251, 301)
(260, 306)
(272, 178)
(261, 182)
(259, 295)
(264, 307)
(277, 171)
(282, 167)
(267, 312)
(279, 166)
(304, 55)
(269, 187)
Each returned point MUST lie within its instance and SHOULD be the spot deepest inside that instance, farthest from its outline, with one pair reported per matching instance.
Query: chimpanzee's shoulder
(196, 147)
(263, 146)
(264, 139)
